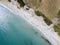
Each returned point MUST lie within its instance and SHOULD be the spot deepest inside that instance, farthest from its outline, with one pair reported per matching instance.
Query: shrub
(21, 3)
(9, 0)
(58, 14)
(39, 13)
(57, 29)
(48, 21)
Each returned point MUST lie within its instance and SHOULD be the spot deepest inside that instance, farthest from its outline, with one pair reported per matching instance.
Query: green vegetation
(40, 0)
(9, 0)
(39, 13)
(48, 21)
(21, 3)
(58, 14)
(57, 29)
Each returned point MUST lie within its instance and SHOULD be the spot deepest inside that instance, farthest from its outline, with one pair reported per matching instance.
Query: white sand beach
(37, 22)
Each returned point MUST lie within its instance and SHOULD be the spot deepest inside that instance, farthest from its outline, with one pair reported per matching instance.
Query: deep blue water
(16, 31)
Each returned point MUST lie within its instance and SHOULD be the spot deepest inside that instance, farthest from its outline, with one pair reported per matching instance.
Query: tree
(21, 2)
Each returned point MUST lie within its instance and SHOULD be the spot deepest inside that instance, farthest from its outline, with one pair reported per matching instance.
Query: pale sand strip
(48, 31)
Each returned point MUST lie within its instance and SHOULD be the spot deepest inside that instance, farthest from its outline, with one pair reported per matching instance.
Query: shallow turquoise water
(16, 31)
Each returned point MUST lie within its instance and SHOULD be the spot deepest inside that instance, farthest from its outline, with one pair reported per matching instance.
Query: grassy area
(48, 22)
(57, 29)
(21, 3)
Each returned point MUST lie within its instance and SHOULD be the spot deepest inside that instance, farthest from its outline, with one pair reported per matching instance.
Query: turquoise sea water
(16, 31)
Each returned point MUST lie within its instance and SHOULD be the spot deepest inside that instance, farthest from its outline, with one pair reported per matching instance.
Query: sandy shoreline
(37, 22)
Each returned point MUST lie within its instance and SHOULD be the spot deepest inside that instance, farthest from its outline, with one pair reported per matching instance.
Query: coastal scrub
(48, 21)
